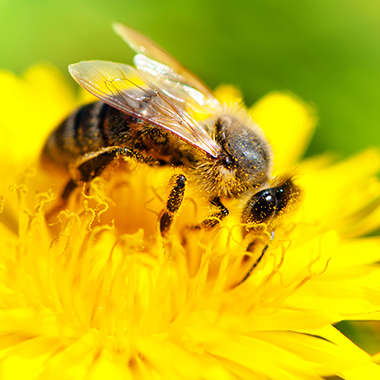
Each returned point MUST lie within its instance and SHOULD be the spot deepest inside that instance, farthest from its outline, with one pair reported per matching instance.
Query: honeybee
(161, 114)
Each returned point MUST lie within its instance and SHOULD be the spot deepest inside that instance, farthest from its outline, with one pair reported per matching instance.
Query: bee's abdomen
(85, 130)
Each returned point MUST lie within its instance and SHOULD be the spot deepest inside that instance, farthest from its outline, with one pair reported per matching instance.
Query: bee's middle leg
(214, 219)
(173, 204)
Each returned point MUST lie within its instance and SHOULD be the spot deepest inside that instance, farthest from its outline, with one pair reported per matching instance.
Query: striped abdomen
(85, 130)
(98, 126)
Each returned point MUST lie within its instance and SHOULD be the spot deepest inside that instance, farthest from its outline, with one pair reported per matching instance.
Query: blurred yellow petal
(31, 105)
(369, 371)
(228, 94)
(347, 199)
(346, 253)
(288, 124)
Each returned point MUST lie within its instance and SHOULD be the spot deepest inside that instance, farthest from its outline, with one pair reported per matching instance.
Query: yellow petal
(346, 253)
(288, 124)
(228, 94)
(368, 371)
(30, 107)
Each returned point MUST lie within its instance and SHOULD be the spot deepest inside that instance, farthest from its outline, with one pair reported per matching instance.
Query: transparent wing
(126, 89)
(173, 84)
(165, 65)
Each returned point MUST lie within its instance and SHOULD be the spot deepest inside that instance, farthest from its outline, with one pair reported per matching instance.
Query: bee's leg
(87, 169)
(92, 167)
(62, 201)
(256, 263)
(69, 188)
(173, 204)
(214, 219)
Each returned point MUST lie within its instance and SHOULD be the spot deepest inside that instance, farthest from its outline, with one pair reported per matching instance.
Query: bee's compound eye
(261, 208)
(267, 204)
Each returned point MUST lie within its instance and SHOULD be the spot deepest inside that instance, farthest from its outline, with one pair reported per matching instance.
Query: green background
(325, 51)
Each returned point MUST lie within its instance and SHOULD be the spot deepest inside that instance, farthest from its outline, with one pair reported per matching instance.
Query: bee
(160, 114)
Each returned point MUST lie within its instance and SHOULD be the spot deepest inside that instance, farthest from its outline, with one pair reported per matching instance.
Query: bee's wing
(126, 89)
(173, 84)
(166, 65)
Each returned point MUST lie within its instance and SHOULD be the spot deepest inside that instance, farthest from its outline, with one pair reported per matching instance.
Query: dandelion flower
(97, 293)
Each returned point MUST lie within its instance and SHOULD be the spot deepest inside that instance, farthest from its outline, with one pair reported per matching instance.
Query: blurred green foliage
(366, 334)
(324, 51)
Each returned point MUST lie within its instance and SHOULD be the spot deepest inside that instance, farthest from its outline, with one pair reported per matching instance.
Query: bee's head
(244, 160)
(244, 152)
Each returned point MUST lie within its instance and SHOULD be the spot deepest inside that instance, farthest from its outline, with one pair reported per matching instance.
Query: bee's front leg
(214, 219)
(257, 261)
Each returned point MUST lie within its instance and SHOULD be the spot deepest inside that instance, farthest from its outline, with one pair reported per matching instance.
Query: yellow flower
(98, 294)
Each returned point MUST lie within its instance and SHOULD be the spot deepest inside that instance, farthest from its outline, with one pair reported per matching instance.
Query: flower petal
(288, 124)
(30, 107)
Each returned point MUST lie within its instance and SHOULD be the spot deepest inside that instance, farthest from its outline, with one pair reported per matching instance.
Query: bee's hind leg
(62, 201)
(90, 167)
(173, 204)
(86, 169)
